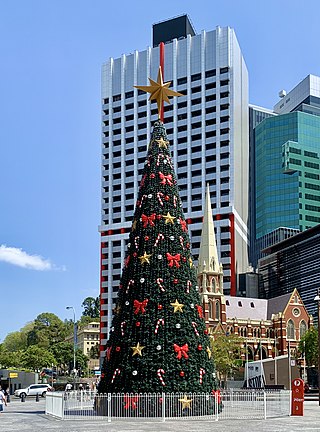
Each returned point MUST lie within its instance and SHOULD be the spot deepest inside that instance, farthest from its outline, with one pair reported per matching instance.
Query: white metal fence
(228, 404)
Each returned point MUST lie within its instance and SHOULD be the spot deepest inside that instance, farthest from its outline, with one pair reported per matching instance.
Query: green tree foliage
(10, 359)
(63, 353)
(226, 354)
(85, 320)
(309, 345)
(95, 351)
(48, 329)
(158, 338)
(91, 307)
(37, 358)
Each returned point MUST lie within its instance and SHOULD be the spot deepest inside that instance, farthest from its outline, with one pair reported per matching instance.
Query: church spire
(208, 254)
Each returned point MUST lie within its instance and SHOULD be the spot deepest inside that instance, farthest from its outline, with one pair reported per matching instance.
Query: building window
(218, 310)
(290, 330)
(303, 328)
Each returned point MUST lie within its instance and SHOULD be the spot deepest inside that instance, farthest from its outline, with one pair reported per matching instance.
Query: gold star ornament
(177, 306)
(145, 258)
(190, 262)
(137, 349)
(134, 225)
(209, 352)
(169, 218)
(185, 402)
(159, 90)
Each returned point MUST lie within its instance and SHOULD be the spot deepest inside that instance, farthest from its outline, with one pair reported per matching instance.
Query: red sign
(297, 397)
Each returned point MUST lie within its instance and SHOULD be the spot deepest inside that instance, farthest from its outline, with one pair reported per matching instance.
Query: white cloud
(20, 258)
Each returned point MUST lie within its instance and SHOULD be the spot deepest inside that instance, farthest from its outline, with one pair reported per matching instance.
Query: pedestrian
(3, 400)
(68, 387)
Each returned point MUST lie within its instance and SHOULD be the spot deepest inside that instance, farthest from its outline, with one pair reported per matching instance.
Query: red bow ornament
(165, 179)
(148, 220)
(130, 401)
(181, 351)
(183, 224)
(140, 306)
(200, 311)
(173, 260)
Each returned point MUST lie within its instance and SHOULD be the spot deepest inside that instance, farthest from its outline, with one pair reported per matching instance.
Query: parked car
(33, 390)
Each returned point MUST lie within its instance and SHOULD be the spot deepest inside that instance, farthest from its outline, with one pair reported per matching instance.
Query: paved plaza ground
(29, 416)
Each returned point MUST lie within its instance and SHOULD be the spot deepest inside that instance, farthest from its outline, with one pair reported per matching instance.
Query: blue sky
(51, 56)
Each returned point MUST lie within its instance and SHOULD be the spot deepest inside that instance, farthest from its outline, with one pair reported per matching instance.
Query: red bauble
(181, 373)
(146, 238)
(159, 216)
(184, 259)
(205, 331)
(152, 175)
(199, 347)
(167, 197)
(175, 281)
(118, 349)
(188, 245)
(135, 254)
(160, 306)
(138, 323)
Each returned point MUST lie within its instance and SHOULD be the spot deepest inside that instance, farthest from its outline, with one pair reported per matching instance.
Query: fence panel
(228, 404)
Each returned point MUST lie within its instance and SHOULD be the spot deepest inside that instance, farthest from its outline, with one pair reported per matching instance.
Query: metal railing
(224, 405)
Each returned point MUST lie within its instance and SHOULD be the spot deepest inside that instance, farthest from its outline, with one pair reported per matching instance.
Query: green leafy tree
(17, 341)
(63, 353)
(95, 351)
(37, 358)
(10, 359)
(226, 354)
(48, 329)
(309, 345)
(85, 320)
(158, 339)
(91, 307)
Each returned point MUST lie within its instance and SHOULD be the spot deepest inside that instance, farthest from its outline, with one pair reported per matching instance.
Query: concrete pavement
(29, 416)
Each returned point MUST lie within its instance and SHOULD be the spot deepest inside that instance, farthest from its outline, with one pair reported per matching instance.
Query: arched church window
(290, 330)
(303, 328)
(217, 310)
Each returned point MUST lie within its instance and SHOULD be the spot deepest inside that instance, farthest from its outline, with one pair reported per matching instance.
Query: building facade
(212, 118)
(88, 337)
(293, 263)
(267, 327)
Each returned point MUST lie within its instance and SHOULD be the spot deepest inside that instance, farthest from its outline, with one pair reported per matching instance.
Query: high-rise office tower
(208, 133)
(287, 164)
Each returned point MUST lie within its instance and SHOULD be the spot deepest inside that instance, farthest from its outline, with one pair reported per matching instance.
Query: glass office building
(208, 133)
(287, 172)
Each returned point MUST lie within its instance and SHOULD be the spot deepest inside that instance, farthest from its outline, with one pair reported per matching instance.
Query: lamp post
(74, 341)
(317, 299)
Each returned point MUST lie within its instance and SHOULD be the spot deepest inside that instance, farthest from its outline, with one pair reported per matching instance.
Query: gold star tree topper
(159, 90)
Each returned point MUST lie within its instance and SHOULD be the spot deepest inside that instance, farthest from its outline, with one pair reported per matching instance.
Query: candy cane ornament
(159, 195)
(130, 284)
(188, 286)
(160, 237)
(136, 240)
(194, 325)
(159, 282)
(142, 199)
(181, 242)
(161, 372)
(115, 373)
(122, 327)
(175, 200)
(202, 372)
(160, 321)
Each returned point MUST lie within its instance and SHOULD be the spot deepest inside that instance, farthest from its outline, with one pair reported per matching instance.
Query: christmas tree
(158, 340)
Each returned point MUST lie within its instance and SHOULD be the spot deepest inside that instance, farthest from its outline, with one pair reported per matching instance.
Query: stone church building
(267, 326)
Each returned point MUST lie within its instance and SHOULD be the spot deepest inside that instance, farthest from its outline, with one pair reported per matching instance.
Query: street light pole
(317, 299)
(74, 341)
